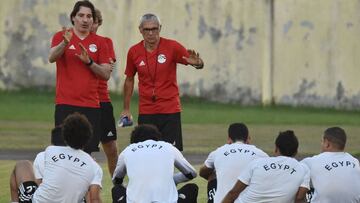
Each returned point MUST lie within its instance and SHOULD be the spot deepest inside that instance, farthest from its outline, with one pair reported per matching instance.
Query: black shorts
(107, 123)
(92, 114)
(211, 190)
(188, 193)
(26, 191)
(168, 124)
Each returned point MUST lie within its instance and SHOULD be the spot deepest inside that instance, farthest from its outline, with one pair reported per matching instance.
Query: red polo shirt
(157, 73)
(103, 85)
(76, 84)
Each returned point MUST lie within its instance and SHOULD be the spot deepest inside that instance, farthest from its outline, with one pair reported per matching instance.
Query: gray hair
(149, 17)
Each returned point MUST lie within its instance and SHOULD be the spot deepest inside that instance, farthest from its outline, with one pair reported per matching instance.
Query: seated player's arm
(301, 194)
(94, 193)
(305, 185)
(206, 172)
(39, 167)
(38, 181)
(120, 171)
(234, 192)
(187, 171)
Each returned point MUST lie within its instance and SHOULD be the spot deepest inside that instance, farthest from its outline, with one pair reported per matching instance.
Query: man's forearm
(233, 194)
(205, 172)
(57, 51)
(128, 91)
(230, 197)
(103, 70)
(95, 201)
(94, 194)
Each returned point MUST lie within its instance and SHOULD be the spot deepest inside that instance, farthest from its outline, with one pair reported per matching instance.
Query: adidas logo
(142, 63)
(110, 134)
(72, 47)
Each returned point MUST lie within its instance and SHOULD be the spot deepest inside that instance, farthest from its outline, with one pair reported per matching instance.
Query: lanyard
(153, 79)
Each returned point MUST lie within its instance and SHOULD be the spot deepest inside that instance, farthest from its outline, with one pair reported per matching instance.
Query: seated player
(68, 172)
(149, 165)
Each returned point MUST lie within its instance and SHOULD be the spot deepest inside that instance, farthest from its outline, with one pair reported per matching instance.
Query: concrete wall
(316, 53)
(297, 52)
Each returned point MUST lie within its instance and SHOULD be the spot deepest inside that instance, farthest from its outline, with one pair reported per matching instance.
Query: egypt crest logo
(161, 58)
(93, 48)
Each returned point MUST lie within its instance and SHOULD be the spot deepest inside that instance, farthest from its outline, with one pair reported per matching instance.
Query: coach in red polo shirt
(81, 59)
(155, 59)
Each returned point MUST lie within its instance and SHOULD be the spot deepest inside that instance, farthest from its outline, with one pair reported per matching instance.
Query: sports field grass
(26, 119)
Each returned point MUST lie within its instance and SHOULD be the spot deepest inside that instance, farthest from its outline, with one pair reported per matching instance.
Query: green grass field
(26, 118)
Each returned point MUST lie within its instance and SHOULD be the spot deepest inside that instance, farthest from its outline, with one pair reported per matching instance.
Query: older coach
(154, 59)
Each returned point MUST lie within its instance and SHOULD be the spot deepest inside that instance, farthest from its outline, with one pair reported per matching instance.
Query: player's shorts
(188, 193)
(168, 124)
(211, 189)
(107, 123)
(26, 191)
(92, 114)
(118, 194)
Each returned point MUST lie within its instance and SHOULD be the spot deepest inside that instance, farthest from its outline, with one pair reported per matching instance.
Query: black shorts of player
(211, 189)
(107, 123)
(168, 124)
(92, 114)
(26, 191)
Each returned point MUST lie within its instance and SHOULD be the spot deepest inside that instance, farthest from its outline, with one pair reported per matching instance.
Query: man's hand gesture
(194, 59)
(67, 35)
(83, 56)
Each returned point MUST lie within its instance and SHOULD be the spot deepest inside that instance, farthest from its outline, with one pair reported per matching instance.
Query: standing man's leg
(22, 182)
(170, 128)
(111, 153)
(108, 135)
(94, 116)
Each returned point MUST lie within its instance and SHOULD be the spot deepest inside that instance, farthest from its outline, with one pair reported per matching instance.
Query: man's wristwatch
(198, 66)
(90, 62)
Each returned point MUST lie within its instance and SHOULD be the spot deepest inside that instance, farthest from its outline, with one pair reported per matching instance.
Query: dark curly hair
(145, 132)
(76, 130)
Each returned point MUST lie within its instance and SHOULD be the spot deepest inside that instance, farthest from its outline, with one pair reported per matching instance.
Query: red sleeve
(111, 48)
(130, 66)
(180, 52)
(103, 52)
(57, 38)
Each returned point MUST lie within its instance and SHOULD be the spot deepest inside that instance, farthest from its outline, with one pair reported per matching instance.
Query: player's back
(229, 161)
(273, 179)
(68, 173)
(335, 177)
(150, 168)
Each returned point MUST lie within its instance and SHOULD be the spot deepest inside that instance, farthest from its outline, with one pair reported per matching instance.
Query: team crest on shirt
(161, 58)
(93, 48)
